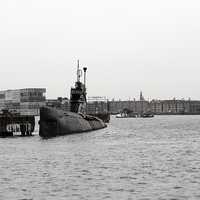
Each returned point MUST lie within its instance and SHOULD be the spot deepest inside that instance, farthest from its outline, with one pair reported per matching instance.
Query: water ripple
(142, 159)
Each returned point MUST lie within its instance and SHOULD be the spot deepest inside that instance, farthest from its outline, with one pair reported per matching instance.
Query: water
(155, 158)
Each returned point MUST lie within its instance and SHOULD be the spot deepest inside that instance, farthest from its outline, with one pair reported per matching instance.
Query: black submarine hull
(55, 122)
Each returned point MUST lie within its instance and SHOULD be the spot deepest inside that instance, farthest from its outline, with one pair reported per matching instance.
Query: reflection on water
(156, 158)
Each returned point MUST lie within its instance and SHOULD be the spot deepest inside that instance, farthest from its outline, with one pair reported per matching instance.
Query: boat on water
(54, 122)
(146, 115)
(126, 113)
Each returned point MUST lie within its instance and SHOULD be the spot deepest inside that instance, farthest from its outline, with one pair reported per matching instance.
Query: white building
(25, 101)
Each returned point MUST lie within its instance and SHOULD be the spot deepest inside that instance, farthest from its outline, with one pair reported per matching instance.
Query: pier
(11, 124)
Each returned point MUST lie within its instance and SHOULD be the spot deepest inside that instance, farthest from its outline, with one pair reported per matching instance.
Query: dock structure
(18, 109)
(14, 123)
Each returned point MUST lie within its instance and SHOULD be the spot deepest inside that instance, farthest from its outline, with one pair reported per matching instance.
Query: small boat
(125, 116)
(126, 113)
(146, 115)
(54, 122)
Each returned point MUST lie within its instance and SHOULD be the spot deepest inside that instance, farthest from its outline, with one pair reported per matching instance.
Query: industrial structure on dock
(24, 101)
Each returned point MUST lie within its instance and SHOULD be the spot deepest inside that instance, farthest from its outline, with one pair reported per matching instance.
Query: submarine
(55, 122)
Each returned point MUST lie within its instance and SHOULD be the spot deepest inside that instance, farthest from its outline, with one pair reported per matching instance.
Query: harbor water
(135, 158)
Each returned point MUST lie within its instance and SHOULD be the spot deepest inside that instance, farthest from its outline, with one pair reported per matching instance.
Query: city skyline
(127, 46)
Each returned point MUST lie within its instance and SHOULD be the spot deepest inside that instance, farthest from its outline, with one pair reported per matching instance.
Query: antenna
(79, 72)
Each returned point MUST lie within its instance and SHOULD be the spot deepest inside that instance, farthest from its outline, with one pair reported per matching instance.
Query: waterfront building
(156, 106)
(194, 107)
(24, 101)
(173, 106)
(135, 106)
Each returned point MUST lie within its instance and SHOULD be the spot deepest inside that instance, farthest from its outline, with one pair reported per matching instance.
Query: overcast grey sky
(128, 46)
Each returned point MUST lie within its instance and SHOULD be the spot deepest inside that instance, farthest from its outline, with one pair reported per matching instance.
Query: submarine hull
(54, 122)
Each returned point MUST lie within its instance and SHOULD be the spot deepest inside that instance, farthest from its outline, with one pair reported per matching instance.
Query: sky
(128, 46)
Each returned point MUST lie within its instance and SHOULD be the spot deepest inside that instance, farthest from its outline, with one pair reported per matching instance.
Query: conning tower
(78, 93)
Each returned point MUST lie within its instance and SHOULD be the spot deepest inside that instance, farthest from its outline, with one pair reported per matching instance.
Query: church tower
(141, 96)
